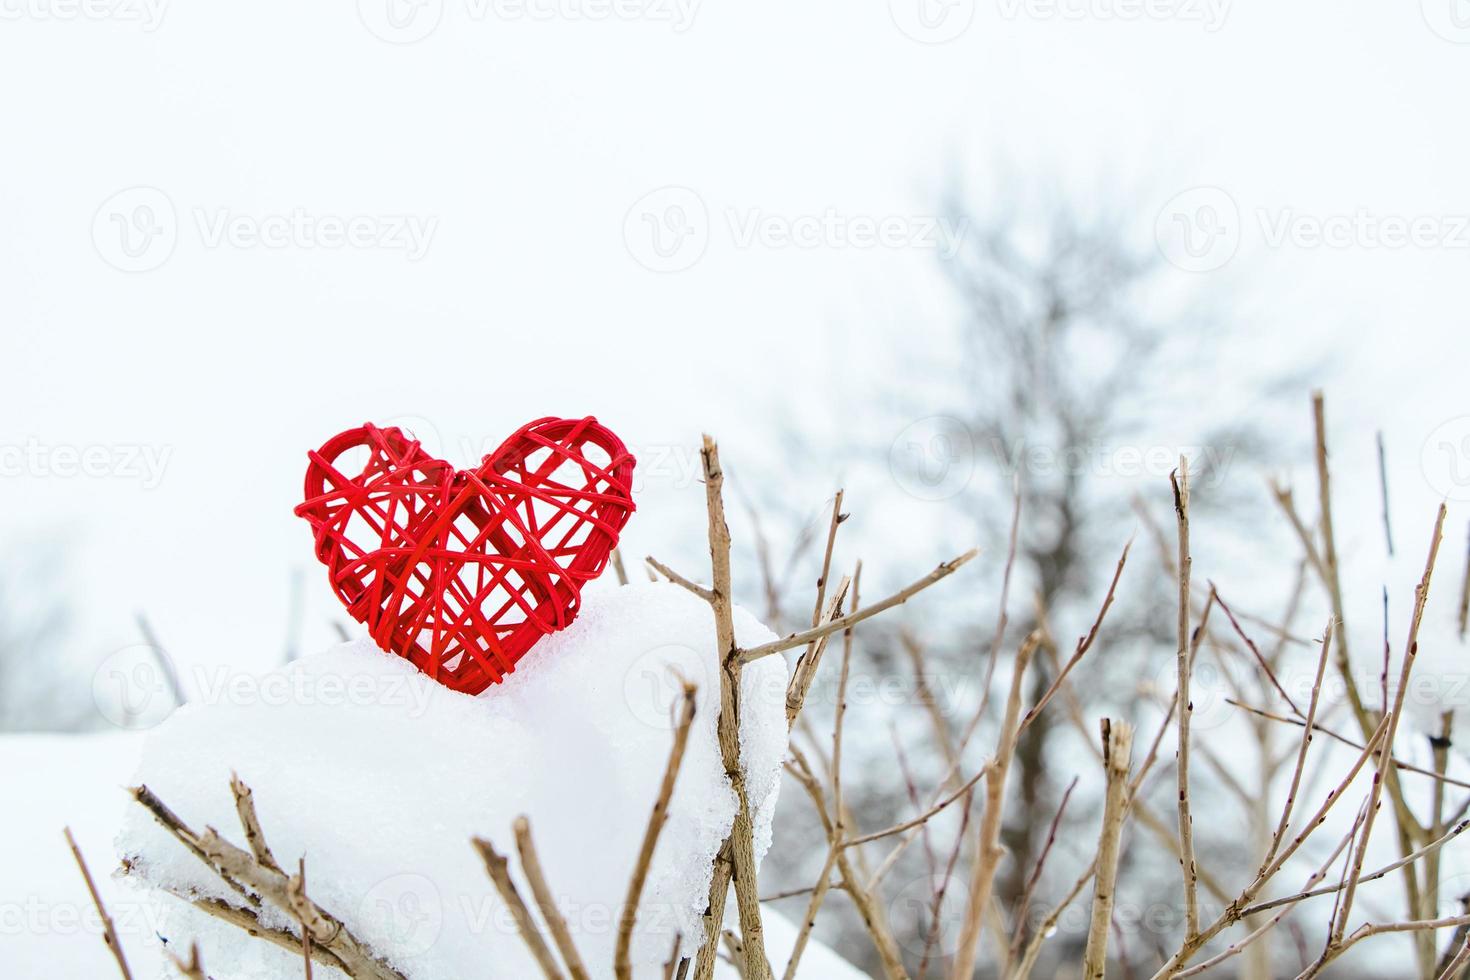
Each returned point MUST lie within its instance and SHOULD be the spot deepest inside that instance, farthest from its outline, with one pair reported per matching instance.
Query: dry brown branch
(864, 897)
(1249, 941)
(305, 917)
(805, 671)
(680, 580)
(171, 822)
(1409, 830)
(672, 963)
(929, 814)
(1233, 913)
(556, 923)
(191, 969)
(1336, 736)
(1428, 849)
(1255, 651)
(1117, 748)
(837, 518)
(736, 860)
(834, 850)
(250, 822)
(618, 568)
(241, 871)
(735, 952)
(1368, 930)
(622, 967)
(498, 867)
(988, 849)
(248, 921)
(1018, 935)
(109, 931)
(1180, 482)
(1456, 966)
(941, 571)
(814, 905)
(327, 931)
(1084, 643)
(1411, 649)
(1306, 743)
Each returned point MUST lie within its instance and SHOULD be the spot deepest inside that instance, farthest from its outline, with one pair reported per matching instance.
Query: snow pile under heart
(380, 776)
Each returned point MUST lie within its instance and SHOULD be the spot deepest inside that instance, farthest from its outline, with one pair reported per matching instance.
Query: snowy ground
(381, 784)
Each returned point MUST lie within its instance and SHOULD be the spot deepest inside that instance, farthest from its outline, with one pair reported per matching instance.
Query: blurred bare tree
(1069, 339)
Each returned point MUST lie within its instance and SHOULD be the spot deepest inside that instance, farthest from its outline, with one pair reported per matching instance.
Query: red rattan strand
(463, 571)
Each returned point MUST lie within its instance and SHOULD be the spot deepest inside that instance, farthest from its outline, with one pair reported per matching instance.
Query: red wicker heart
(462, 571)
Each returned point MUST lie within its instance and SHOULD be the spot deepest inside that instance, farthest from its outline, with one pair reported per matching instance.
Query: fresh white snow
(379, 777)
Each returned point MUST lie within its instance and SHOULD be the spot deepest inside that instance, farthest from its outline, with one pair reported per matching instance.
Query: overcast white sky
(501, 166)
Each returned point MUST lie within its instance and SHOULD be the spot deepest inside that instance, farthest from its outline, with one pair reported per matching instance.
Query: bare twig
(622, 967)
(1411, 649)
(193, 968)
(1117, 742)
(1084, 643)
(498, 868)
(942, 571)
(988, 849)
(109, 931)
(680, 580)
(250, 823)
(736, 859)
(1180, 482)
(556, 923)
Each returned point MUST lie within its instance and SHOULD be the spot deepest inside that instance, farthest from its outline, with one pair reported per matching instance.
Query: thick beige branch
(736, 861)
(1117, 740)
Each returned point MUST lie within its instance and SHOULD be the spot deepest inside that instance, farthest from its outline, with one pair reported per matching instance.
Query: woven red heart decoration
(462, 571)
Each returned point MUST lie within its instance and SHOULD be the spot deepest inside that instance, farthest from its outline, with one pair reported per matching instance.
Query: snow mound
(379, 777)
